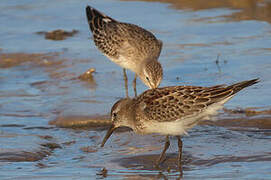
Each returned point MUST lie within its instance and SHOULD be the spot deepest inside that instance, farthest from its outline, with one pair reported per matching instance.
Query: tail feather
(222, 98)
(96, 19)
(221, 94)
(241, 85)
(218, 93)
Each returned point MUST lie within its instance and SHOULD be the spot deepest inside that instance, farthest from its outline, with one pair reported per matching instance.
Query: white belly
(125, 63)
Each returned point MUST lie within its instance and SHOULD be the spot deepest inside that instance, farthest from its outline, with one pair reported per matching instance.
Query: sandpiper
(171, 111)
(127, 45)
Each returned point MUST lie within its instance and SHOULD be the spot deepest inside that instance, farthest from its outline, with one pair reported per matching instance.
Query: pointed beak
(151, 85)
(154, 85)
(157, 83)
(108, 134)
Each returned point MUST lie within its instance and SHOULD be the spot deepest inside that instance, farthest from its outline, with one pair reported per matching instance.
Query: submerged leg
(180, 145)
(125, 82)
(162, 155)
(134, 85)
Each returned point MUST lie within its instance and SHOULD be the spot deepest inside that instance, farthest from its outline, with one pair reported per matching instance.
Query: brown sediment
(58, 34)
(103, 173)
(144, 162)
(89, 149)
(147, 162)
(226, 159)
(248, 111)
(88, 75)
(47, 137)
(8, 60)
(244, 118)
(81, 121)
(41, 165)
(51, 62)
(69, 143)
(17, 155)
(261, 123)
(51, 146)
(248, 9)
(187, 46)
(23, 156)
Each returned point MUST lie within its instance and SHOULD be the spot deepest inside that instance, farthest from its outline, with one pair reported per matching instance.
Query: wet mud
(9, 60)
(245, 9)
(248, 111)
(260, 123)
(58, 35)
(88, 75)
(82, 121)
(146, 162)
(23, 156)
(17, 155)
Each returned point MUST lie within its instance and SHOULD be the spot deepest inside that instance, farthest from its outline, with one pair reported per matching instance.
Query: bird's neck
(128, 115)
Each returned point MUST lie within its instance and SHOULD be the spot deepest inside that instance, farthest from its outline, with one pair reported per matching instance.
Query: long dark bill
(108, 134)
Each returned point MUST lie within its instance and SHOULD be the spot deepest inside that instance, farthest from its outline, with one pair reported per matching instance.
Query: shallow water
(39, 84)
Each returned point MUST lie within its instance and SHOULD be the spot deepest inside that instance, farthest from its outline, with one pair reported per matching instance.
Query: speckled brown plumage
(176, 102)
(128, 45)
(110, 37)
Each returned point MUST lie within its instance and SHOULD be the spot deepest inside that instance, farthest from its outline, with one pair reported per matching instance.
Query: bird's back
(122, 41)
(179, 102)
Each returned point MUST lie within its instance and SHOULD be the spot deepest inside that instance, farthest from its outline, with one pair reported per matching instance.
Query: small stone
(103, 172)
(88, 75)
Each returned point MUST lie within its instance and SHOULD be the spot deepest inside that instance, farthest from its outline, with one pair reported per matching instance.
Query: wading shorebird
(127, 45)
(171, 111)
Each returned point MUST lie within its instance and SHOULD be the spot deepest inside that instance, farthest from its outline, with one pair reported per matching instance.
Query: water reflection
(245, 9)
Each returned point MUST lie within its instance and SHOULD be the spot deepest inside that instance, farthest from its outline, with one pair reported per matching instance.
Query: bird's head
(151, 73)
(121, 115)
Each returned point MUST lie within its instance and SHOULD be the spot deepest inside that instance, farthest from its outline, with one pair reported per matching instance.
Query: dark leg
(180, 145)
(134, 85)
(162, 155)
(125, 82)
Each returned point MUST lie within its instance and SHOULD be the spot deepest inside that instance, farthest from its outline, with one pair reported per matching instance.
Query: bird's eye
(114, 115)
(147, 78)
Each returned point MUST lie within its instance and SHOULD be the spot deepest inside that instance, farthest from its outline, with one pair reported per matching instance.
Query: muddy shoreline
(235, 119)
